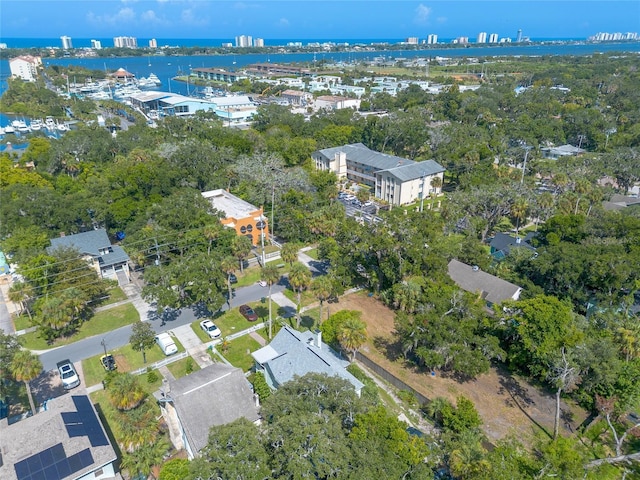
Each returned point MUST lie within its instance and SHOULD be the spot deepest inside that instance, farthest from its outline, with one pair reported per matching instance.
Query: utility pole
(424, 176)
(524, 165)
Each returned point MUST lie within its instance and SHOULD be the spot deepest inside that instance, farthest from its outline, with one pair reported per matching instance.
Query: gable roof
(503, 242)
(415, 170)
(216, 395)
(95, 243)
(474, 280)
(88, 243)
(359, 153)
(65, 441)
(292, 353)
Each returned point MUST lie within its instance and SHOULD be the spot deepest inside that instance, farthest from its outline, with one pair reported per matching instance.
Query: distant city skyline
(312, 19)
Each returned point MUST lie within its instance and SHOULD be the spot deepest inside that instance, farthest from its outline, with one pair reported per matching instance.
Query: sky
(311, 19)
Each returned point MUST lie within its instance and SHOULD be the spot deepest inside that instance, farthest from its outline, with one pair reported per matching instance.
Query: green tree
(125, 392)
(175, 469)
(228, 266)
(322, 289)
(235, 450)
(270, 274)
(142, 460)
(241, 246)
(9, 346)
(352, 335)
(289, 252)
(21, 293)
(25, 366)
(142, 338)
(299, 279)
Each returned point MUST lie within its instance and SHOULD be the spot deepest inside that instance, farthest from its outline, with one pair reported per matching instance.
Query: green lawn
(179, 368)
(21, 322)
(115, 295)
(313, 253)
(307, 297)
(238, 352)
(127, 360)
(231, 321)
(101, 322)
(252, 274)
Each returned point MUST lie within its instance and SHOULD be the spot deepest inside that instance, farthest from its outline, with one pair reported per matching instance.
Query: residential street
(93, 346)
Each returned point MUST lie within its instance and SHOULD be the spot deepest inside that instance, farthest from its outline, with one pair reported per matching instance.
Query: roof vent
(475, 268)
(518, 240)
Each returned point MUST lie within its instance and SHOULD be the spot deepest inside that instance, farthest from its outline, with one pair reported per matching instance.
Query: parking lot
(354, 208)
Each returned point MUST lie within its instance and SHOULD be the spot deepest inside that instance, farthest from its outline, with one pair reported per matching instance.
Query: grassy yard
(238, 352)
(313, 253)
(179, 369)
(231, 321)
(114, 295)
(101, 322)
(21, 322)
(307, 297)
(251, 275)
(127, 360)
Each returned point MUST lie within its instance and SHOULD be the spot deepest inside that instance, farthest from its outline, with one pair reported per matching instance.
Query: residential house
(395, 180)
(473, 280)
(244, 218)
(619, 202)
(110, 261)
(555, 153)
(295, 97)
(294, 354)
(503, 243)
(65, 441)
(215, 395)
(333, 102)
(25, 67)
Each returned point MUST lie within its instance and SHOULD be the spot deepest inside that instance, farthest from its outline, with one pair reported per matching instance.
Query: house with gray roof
(65, 441)
(293, 354)
(473, 280)
(396, 180)
(215, 395)
(503, 243)
(110, 261)
(555, 153)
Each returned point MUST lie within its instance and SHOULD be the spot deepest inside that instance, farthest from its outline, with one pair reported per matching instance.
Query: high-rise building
(482, 37)
(412, 40)
(258, 42)
(96, 44)
(125, 42)
(153, 43)
(244, 41)
(493, 38)
(66, 42)
(25, 67)
(432, 39)
(519, 37)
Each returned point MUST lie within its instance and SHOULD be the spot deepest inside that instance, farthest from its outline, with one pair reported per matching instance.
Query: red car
(247, 312)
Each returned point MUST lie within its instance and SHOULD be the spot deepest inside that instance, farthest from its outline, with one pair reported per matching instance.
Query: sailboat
(149, 58)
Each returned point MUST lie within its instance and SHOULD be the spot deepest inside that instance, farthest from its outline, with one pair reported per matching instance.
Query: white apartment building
(412, 41)
(432, 39)
(258, 42)
(25, 67)
(66, 42)
(334, 102)
(493, 38)
(153, 43)
(96, 44)
(482, 37)
(125, 42)
(396, 180)
(244, 41)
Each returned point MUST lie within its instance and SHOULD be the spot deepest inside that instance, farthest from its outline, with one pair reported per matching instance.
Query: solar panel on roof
(52, 464)
(84, 422)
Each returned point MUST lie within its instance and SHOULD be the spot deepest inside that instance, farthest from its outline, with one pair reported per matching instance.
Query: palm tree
(21, 293)
(299, 279)
(25, 367)
(228, 266)
(210, 232)
(289, 252)
(436, 183)
(137, 428)
(581, 187)
(352, 335)
(124, 391)
(322, 288)
(241, 246)
(519, 211)
(270, 274)
(142, 460)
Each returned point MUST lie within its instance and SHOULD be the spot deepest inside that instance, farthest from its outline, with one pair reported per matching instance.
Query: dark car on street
(247, 312)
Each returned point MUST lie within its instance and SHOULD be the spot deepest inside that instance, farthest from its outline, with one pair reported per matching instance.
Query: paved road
(90, 347)
(6, 324)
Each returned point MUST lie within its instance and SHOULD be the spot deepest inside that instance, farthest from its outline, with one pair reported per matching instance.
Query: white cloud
(151, 17)
(283, 22)
(422, 14)
(124, 15)
(189, 17)
(441, 19)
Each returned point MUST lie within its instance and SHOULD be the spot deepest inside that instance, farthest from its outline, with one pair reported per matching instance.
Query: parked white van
(166, 343)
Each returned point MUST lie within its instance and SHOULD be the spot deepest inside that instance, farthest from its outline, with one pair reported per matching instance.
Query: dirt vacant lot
(506, 403)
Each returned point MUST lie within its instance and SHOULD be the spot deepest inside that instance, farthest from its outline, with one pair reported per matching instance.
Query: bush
(152, 376)
(369, 392)
(260, 386)
(188, 365)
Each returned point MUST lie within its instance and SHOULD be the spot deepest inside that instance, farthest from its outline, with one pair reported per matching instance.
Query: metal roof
(474, 280)
(358, 152)
(415, 170)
